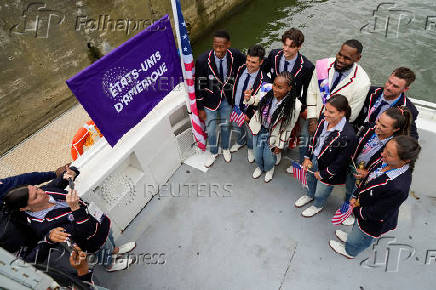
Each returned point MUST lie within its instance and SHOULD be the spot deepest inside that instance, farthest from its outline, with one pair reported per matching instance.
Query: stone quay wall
(45, 42)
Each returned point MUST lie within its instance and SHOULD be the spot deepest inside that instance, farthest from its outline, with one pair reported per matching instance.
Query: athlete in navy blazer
(374, 94)
(379, 201)
(302, 72)
(210, 89)
(335, 155)
(260, 78)
(364, 135)
(395, 88)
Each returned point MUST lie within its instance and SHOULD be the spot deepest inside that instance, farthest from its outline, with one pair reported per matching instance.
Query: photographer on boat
(393, 122)
(50, 208)
(377, 201)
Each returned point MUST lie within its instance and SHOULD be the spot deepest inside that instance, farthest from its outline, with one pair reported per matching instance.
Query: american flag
(299, 173)
(237, 116)
(342, 213)
(189, 71)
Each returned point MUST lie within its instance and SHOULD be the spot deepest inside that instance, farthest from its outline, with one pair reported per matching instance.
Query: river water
(393, 35)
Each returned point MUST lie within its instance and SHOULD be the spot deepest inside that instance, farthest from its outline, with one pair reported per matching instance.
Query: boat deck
(223, 230)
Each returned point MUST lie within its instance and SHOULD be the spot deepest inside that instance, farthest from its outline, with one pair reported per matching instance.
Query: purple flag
(121, 88)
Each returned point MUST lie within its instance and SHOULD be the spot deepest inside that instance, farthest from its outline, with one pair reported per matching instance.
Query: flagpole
(188, 70)
(179, 44)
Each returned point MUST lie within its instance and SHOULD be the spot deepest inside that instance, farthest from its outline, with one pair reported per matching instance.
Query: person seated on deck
(272, 122)
(393, 94)
(50, 207)
(215, 73)
(329, 154)
(249, 79)
(340, 75)
(290, 59)
(393, 122)
(377, 200)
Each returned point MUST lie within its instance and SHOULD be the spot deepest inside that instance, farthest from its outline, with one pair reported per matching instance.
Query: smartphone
(71, 183)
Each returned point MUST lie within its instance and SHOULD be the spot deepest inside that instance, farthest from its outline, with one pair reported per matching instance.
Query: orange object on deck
(84, 137)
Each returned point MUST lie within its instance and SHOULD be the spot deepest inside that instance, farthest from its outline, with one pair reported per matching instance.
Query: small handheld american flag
(237, 116)
(342, 213)
(299, 173)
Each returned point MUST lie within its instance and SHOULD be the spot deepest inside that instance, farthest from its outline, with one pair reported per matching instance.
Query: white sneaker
(279, 158)
(342, 236)
(269, 175)
(311, 211)
(349, 221)
(127, 247)
(340, 249)
(235, 147)
(120, 264)
(210, 160)
(305, 199)
(290, 169)
(257, 173)
(250, 155)
(227, 156)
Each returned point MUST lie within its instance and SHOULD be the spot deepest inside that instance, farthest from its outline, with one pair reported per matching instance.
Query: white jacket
(354, 87)
(277, 138)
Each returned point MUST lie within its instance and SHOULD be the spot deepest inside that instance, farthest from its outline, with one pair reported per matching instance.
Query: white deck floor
(254, 238)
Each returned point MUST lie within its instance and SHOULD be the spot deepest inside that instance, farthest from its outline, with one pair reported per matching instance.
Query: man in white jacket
(345, 77)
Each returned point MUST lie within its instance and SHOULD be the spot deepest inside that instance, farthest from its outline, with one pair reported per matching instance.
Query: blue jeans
(304, 139)
(105, 253)
(221, 116)
(316, 189)
(244, 135)
(357, 241)
(265, 158)
(350, 184)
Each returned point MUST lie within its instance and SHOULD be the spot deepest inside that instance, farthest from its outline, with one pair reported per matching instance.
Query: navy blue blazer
(364, 135)
(89, 233)
(260, 78)
(335, 154)
(302, 71)
(209, 88)
(380, 200)
(372, 97)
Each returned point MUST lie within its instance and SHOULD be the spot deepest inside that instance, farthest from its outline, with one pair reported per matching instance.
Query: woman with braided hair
(273, 121)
